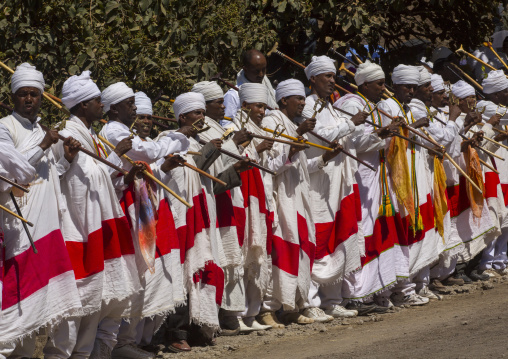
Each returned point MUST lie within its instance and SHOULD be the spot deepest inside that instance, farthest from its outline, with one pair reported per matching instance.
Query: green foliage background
(168, 45)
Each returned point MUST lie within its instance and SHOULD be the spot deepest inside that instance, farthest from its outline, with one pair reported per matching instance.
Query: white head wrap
(209, 89)
(462, 89)
(27, 76)
(428, 63)
(253, 93)
(437, 82)
(440, 53)
(424, 76)
(143, 104)
(406, 75)
(114, 94)
(187, 102)
(288, 88)
(77, 89)
(320, 65)
(496, 81)
(368, 72)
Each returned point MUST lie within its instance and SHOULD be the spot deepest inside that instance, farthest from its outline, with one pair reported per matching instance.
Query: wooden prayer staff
(24, 222)
(488, 166)
(297, 144)
(148, 174)
(14, 184)
(17, 216)
(489, 45)
(491, 140)
(204, 173)
(165, 118)
(241, 158)
(471, 80)
(461, 50)
(321, 147)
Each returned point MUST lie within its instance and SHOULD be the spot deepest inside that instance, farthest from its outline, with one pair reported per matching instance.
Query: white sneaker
(100, 350)
(129, 351)
(412, 299)
(317, 314)
(427, 293)
(245, 329)
(253, 323)
(338, 311)
(502, 271)
(491, 273)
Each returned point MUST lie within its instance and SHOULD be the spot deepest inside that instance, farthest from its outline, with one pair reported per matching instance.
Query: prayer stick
(488, 166)
(148, 174)
(461, 49)
(14, 184)
(165, 118)
(489, 45)
(200, 171)
(297, 144)
(23, 222)
(91, 154)
(193, 153)
(492, 140)
(241, 158)
(476, 84)
(16, 215)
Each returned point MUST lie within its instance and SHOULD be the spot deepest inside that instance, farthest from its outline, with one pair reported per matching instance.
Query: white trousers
(422, 278)
(19, 349)
(494, 255)
(441, 270)
(324, 296)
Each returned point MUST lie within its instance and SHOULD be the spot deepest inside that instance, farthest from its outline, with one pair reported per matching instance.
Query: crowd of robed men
(297, 208)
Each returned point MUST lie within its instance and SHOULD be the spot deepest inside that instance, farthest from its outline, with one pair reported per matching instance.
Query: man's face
(255, 70)
(143, 125)
(94, 108)
(373, 90)
(323, 84)
(404, 92)
(502, 97)
(424, 93)
(438, 98)
(27, 102)
(467, 104)
(215, 109)
(126, 111)
(294, 105)
(190, 118)
(257, 111)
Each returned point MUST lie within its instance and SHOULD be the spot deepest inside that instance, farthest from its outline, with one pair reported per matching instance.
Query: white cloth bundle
(462, 89)
(77, 89)
(437, 82)
(114, 94)
(320, 65)
(405, 75)
(368, 72)
(209, 89)
(496, 81)
(424, 76)
(253, 93)
(27, 75)
(187, 102)
(291, 87)
(143, 104)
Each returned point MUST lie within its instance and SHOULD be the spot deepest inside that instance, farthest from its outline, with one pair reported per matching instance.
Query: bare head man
(254, 65)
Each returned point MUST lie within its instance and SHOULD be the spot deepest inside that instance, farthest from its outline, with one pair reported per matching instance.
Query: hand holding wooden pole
(201, 172)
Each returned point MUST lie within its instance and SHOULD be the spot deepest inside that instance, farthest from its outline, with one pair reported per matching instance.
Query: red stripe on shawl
(128, 200)
(167, 236)
(491, 182)
(330, 235)
(197, 219)
(28, 272)
(269, 232)
(241, 219)
(457, 198)
(213, 275)
(225, 210)
(303, 234)
(427, 213)
(387, 231)
(111, 241)
(504, 188)
(285, 255)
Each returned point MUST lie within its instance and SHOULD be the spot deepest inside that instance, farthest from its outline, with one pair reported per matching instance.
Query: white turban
(253, 93)
(27, 76)
(320, 65)
(187, 102)
(437, 82)
(424, 76)
(462, 89)
(405, 75)
(143, 104)
(209, 89)
(496, 81)
(368, 72)
(288, 88)
(77, 89)
(114, 94)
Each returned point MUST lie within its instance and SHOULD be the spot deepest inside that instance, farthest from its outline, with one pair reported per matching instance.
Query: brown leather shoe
(179, 346)
(437, 286)
(450, 281)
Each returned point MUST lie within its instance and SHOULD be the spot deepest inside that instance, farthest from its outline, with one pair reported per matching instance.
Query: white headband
(114, 94)
(209, 89)
(405, 75)
(424, 76)
(496, 81)
(288, 88)
(437, 83)
(77, 89)
(26, 75)
(320, 65)
(187, 102)
(462, 89)
(143, 104)
(368, 72)
(253, 93)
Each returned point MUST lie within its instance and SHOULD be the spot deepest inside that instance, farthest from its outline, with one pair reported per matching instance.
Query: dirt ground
(470, 322)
